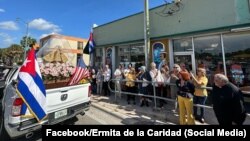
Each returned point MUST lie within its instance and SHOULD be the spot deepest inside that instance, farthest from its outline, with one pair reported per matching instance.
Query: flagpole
(91, 60)
(91, 54)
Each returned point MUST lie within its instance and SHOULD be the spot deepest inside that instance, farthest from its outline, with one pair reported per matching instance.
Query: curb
(116, 114)
(166, 117)
(110, 111)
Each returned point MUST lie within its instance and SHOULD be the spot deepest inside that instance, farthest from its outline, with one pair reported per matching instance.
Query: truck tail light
(16, 107)
(89, 92)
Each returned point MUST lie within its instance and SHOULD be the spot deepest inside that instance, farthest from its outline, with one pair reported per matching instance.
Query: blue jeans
(201, 101)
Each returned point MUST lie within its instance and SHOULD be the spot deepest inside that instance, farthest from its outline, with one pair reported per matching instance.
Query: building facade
(213, 34)
(69, 49)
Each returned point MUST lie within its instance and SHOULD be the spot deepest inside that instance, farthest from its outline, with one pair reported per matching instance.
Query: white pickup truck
(62, 104)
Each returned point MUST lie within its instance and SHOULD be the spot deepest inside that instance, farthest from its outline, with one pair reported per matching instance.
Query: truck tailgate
(65, 97)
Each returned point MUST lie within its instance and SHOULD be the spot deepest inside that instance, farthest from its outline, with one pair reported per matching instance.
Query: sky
(67, 17)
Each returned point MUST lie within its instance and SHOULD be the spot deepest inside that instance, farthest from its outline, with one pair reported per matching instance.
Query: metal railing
(149, 96)
(121, 82)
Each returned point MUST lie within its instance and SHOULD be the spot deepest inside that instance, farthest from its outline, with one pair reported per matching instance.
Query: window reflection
(208, 55)
(237, 54)
(182, 45)
(133, 54)
(98, 58)
(124, 55)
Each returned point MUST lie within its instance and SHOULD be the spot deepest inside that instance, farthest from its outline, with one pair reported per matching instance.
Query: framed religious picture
(109, 56)
(158, 47)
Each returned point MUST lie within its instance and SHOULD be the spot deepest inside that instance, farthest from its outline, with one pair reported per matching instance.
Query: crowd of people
(188, 90)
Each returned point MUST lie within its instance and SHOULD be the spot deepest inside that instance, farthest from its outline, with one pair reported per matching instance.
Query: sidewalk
(120, 107)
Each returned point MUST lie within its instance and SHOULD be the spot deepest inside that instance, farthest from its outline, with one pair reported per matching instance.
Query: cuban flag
(80, 73)
(31, 89)
(90, 46)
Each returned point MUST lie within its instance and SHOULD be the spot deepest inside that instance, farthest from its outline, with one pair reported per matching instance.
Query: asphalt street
(92, 117)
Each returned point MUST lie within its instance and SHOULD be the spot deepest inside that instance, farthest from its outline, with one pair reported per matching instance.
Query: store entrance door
(187, 59)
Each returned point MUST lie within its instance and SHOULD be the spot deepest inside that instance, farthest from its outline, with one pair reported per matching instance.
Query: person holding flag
(31, 89)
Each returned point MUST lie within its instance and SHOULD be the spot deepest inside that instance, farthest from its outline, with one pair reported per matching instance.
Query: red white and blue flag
(90, 46)
(31, 89)
(80, 73)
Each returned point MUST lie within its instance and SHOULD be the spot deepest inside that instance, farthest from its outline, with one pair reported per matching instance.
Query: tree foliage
(14, 52)
(30, 41)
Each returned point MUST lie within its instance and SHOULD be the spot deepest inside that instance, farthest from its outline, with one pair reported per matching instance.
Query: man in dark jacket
(227, 102)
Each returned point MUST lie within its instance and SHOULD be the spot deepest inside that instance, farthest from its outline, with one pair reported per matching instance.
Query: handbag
(159, 79)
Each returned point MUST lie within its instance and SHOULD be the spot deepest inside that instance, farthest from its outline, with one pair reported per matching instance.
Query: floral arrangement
(56, 71)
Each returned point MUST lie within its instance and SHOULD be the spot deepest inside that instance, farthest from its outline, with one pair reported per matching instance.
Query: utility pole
(146, 33)
(26, 39)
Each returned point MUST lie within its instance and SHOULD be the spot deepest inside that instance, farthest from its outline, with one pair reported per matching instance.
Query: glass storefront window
(182, 45)
(133, 54)
(237, 55)
(137, 55)
(124, 55)
(208, 54)
(98, 57)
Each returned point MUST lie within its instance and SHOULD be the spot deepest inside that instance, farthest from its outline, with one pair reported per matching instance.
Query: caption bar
(141, 131)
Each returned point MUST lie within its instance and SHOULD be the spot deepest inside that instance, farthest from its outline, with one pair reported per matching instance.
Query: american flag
(80, 73)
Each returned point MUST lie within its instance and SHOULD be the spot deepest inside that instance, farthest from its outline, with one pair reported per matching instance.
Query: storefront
(212, 37)
(123, 54)
(227, 53)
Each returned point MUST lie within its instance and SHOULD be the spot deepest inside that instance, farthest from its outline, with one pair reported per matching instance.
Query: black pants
(158, 91)
(106, 89)
(131, 90)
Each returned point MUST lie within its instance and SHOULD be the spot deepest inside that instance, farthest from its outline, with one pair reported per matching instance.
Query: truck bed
(61, 103)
